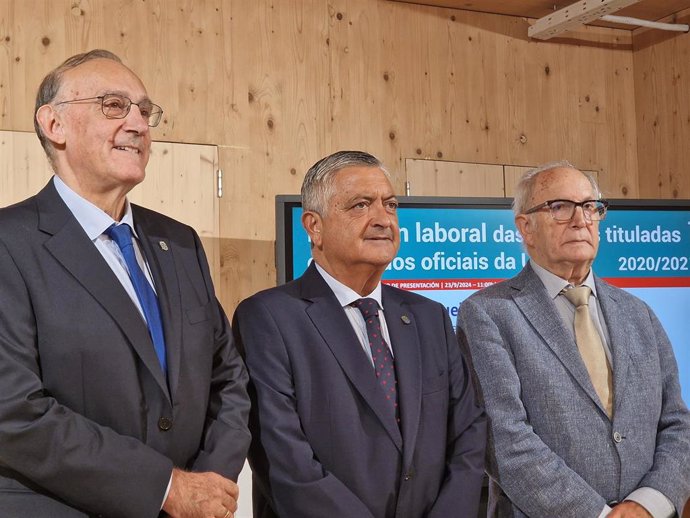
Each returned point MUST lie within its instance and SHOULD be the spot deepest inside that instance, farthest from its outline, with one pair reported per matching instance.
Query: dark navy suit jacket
(325, 442)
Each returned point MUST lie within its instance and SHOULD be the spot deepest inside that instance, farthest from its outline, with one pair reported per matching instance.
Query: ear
(525, 225)
(50, 122)
(313, 224)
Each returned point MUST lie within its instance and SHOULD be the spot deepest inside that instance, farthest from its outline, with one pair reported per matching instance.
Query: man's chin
(584, 258)
(581, 247)
(381, 261)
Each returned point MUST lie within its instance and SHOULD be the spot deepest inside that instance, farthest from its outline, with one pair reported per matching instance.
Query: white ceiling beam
(574, 15)
(628, 20)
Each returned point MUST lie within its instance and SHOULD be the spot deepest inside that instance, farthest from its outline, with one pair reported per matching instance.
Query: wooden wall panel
(662, 96)
(439, 178)
(279, 84)
(511, 176)
(279, 67)
(24, 168)
(513, 173)
(248, 217)
(481, 92)
(180, 182)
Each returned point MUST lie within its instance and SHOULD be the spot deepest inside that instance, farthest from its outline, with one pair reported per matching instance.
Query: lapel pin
(405, 319)
(163, 245)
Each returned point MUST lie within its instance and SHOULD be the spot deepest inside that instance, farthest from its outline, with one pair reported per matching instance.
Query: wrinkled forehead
(562, 182)
(99, 76)
(363, 177)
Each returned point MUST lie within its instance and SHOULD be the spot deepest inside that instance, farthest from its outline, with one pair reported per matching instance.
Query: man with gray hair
(362, 402)
(578, 377)
(121, 392)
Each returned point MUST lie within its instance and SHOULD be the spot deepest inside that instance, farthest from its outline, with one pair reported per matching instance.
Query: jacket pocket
(432, 384)
(199, 314)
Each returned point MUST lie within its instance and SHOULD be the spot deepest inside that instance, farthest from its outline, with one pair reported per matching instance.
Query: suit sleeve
(290, 475)
(226, 434)
(88, 465)
(533, 477)
(462, 484)
(669, 473)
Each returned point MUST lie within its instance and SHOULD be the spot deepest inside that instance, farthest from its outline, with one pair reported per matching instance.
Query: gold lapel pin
(163, 245)
(406, 320)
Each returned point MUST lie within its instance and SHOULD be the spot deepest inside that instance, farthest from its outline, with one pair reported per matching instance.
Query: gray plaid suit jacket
(552, 449)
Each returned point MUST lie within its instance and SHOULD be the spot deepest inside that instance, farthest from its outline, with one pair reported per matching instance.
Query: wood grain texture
(438, 178)
(662, 100)
(277, 85)
(645, 9)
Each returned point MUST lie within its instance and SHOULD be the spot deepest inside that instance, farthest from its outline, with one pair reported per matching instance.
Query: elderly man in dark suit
(363, 406)
(578, 377)
(121, 392)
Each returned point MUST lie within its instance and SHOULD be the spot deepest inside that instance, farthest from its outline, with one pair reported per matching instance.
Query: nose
(379, 215)
(579, 219)
(135, 121)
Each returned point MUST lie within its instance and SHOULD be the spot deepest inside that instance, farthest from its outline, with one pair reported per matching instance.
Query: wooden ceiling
(653, 10)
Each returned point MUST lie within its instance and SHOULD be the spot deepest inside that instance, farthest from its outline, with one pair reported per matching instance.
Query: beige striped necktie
(591, 347)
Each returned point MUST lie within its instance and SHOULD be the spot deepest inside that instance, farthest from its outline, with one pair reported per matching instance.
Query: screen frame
(286, 202)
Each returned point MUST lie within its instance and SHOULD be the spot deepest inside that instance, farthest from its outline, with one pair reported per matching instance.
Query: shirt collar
(345, 294)
(555, 285)
(92, 219)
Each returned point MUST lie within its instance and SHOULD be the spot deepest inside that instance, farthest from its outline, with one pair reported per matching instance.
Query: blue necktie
(122, 235)
(384, 367)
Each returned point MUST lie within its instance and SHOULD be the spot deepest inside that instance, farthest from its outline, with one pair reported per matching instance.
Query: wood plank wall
(662, 97)
(277, 84)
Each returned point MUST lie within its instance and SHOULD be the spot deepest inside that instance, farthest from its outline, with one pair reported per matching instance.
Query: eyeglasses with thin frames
(564, 210)
(116, 106)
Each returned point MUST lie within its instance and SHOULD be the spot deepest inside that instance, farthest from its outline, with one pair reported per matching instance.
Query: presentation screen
(452, 247)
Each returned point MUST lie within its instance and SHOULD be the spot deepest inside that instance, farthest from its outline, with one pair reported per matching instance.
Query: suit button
(617, 437)
(408, 476)
(165, 424)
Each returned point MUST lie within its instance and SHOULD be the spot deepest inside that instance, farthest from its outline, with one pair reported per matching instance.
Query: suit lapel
(334, 327)
(160, 254)
(70, 246)
(408, 364)
(532, 299)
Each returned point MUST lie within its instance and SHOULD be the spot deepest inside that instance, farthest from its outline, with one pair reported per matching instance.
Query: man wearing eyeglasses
(578, 377)
(121, 391)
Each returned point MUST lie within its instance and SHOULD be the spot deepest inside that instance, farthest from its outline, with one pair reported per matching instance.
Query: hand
(629, 509)
(201, 495)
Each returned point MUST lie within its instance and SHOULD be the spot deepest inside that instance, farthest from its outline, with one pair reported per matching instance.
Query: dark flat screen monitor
(451, 247)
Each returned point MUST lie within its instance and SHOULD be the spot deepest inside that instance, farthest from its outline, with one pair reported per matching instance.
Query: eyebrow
(126, 94)
(356, 198)
(365, 197)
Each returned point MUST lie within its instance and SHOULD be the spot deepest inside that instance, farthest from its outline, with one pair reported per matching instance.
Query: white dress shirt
(346, 296)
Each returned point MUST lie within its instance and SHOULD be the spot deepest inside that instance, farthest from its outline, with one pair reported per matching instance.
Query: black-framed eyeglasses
(116, 106)
(564, 210)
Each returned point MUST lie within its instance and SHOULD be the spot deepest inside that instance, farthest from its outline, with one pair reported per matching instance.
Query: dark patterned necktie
(122, 235)
(384, 367)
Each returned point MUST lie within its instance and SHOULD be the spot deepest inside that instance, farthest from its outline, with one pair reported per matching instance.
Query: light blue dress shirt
(94, 222)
